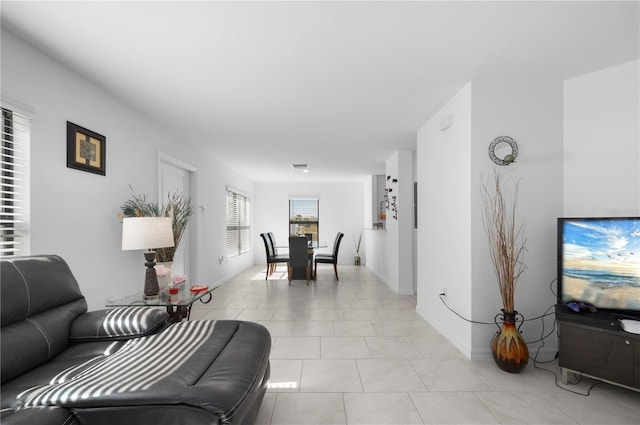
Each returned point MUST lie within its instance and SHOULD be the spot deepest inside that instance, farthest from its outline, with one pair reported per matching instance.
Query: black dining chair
(299, 256)
(274, 244)
(272, 258)
(329, 258)
(309, 237)
(274, 247)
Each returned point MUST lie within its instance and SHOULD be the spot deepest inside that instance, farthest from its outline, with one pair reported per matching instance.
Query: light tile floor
(353, 352)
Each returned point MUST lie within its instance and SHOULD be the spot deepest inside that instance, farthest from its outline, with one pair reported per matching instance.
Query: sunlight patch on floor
(282, 385)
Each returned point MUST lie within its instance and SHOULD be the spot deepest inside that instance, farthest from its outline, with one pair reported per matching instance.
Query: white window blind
(238, 229)
(14, 213)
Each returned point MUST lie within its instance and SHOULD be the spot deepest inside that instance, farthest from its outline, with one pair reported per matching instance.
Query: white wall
(452, 244)
(342, 208)
(444, 219)
(593, 171)
(389, 251)
(602, 143)
(370, 209)
(531, 113)
(74, 213)
(383, 246)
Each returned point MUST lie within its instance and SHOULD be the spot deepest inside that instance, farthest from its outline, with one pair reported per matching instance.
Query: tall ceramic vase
(509, 349)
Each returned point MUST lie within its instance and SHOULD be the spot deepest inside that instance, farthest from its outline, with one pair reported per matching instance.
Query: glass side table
(178, 306)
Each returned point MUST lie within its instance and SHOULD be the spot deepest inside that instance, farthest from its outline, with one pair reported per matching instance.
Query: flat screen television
(599, 263)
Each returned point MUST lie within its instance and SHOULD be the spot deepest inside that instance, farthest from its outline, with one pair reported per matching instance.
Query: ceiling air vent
(301, 167)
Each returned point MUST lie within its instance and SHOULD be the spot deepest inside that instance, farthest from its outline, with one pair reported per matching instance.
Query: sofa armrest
(236, 379)
(50, 415)
(117, 323)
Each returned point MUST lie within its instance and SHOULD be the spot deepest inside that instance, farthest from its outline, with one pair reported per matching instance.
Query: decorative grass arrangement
(507, 244)
(176, 206)
(357, 243)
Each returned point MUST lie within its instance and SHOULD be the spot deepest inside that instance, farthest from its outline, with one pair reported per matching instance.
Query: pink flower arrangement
(162, 270)
(177, 280)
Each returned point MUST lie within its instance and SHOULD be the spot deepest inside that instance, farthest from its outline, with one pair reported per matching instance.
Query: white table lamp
(147, 233)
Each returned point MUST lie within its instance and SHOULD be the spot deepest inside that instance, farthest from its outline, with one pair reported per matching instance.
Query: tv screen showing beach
(600, 262)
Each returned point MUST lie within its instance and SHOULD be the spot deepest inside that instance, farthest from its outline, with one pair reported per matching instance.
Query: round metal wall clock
(503, 150)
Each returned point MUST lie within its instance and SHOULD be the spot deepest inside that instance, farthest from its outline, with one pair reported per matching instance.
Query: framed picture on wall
(86, 149)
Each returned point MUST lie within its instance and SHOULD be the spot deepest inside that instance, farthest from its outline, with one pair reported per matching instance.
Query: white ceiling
(338, 85)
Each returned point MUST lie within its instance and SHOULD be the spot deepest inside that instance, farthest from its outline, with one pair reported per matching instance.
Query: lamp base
(151, 288)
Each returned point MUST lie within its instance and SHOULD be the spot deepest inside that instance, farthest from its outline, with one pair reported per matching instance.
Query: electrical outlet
(444, 292)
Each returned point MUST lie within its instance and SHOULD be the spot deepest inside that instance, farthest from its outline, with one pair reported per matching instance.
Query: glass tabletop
(314, 244)
(185, 297)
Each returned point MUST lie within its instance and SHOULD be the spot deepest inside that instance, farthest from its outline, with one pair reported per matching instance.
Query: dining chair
(274, 244)
(274, 249)
(299, 256)
(272, 258)
(329, 258)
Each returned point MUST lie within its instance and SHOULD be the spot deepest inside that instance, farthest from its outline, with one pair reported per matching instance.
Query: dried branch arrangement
(507, 244)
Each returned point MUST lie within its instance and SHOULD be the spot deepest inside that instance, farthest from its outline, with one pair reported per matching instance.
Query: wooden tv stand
(594, 345)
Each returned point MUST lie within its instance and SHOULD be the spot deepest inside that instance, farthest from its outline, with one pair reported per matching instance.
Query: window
(14, 211)
(238, 229)
(303, 217)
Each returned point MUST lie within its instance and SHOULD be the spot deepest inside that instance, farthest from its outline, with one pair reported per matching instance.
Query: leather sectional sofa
(64, 365)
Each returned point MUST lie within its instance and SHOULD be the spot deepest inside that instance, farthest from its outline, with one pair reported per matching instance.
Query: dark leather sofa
(64, 365)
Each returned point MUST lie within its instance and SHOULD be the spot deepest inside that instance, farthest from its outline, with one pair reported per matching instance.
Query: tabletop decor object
(163, 271)
(507, 246)
(179, 280)
(147, 233)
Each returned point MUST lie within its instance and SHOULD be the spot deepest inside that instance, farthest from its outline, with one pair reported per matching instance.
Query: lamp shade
(146, 233)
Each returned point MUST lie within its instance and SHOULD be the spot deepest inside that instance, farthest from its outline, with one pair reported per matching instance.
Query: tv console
(594, 345)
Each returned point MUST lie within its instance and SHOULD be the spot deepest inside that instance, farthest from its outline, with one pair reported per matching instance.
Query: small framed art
(86, 149)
